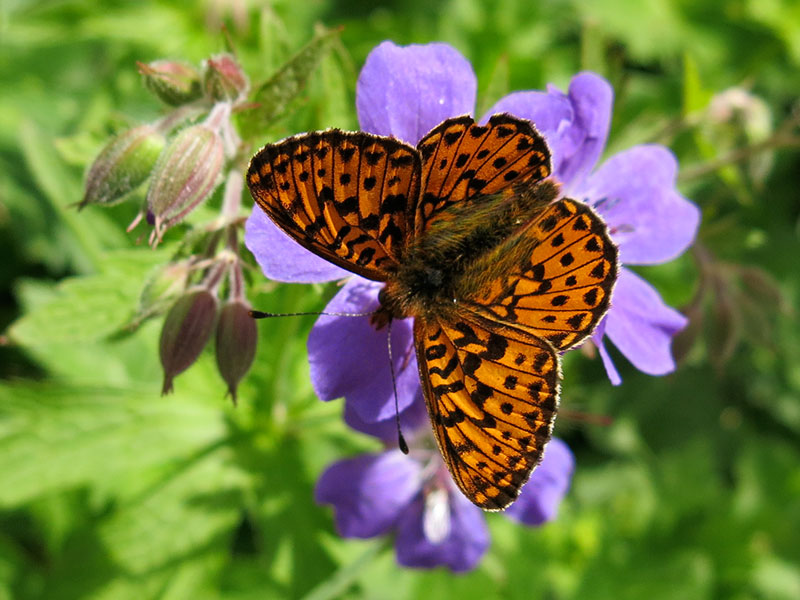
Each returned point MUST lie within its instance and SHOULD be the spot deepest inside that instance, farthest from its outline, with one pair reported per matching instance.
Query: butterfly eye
(382, 296)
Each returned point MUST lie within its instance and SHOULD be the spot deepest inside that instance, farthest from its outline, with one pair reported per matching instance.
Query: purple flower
(405, 92)
(414, 497)
(634, 191)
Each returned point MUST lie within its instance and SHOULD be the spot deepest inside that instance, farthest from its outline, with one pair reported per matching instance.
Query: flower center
(436, 516)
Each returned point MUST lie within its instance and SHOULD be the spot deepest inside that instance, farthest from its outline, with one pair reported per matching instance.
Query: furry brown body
(448, 263)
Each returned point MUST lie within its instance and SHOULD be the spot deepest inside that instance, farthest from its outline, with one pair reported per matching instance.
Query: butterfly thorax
(440, 267)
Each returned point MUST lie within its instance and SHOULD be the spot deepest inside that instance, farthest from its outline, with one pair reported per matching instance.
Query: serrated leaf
(273, 96)
(89, 307)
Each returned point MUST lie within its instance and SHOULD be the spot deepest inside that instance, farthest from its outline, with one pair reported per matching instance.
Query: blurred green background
(108, 490)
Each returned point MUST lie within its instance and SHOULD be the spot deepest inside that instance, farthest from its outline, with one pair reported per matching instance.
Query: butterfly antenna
(401, 441)
(580, 416)
(257, 314)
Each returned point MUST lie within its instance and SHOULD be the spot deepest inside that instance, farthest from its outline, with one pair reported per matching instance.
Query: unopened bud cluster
(185, 154)
(199, 314)
(183, 158)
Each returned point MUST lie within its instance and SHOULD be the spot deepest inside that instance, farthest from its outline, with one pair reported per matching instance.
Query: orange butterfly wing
(492, 395)
(462, 160)
(348, 197)
(562, 287)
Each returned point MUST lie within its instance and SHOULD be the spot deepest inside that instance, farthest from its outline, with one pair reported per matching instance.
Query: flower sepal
(224, 80)
(173, 82)
(186, 173)
(122, 165)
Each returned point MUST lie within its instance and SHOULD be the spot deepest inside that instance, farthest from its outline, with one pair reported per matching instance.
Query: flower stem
(780, 140)
(342, 579)
(232, 196)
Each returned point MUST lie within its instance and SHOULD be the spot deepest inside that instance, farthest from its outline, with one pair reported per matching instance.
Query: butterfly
(469, 238)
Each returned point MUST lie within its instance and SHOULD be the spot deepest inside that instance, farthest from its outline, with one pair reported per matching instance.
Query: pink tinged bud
(174, 83)
(186, 173)
(124, 163)
(187, 329)
(237, 336)
(224, 79)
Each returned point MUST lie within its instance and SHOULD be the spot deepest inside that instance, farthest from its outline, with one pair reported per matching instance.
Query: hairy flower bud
(122, 165)
(187, 329)
(237, 336)
(185, 174)
(224, 78)
(174, 83)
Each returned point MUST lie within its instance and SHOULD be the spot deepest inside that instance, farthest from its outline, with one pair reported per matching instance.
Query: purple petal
(413, 418)
(283, 259)
(369, 492)
(641, 325)
(350, 358)
(405, 91)
(539, 500)
(551, 113)
(611, 369)
(635, 193)
(460, 551)
(592, 98)
(575, 125)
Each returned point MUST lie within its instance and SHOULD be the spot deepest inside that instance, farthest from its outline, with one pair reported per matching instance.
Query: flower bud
(187, 329)
(751, 111)
(224, 78)
(237, 336)
(174, 83)
(186, 173)
(122, 165)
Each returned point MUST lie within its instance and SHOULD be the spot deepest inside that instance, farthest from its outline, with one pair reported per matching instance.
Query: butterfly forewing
(348, 197)
(461, 159)
(559, 287)
(492, 394)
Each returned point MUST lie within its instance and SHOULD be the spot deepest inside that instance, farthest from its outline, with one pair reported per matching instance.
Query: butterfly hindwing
(461, 160)
(556, 280)
(492, 395)
(348, 197)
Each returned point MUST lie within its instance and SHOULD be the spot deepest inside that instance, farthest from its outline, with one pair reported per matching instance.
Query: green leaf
(91, 307)
(90, 232)
(197, 501)
(273, 96)
(695, 96)
(59, 437)
(337, 110)
(497, 86)
(340, 581)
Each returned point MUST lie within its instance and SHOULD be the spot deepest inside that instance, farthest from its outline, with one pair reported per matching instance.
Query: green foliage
(108, 490)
